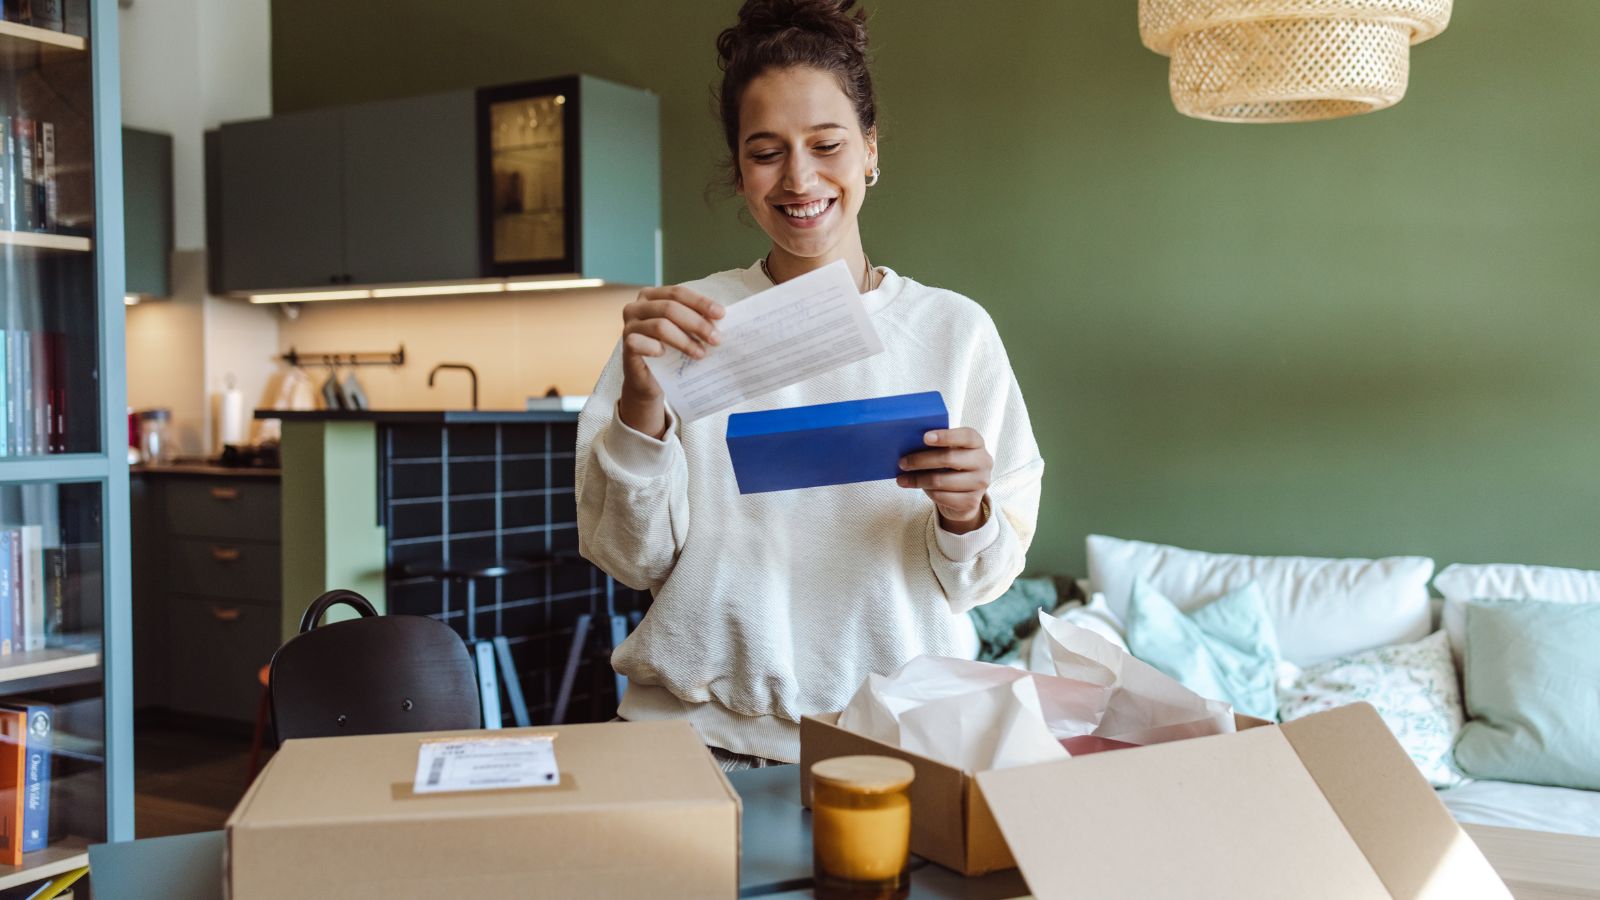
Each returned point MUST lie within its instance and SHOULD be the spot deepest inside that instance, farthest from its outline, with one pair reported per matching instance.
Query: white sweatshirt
(771, 606)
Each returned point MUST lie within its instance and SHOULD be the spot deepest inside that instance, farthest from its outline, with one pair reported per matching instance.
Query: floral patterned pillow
(1413, 687)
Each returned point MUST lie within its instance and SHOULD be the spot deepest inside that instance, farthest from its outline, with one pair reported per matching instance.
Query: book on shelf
(47, 14)
(30, 196)
(8, 593)
(34, 581)
(25, 214)
(33, 392)
(13, 784)
(38, 13)
(37, 757)
(27, 734)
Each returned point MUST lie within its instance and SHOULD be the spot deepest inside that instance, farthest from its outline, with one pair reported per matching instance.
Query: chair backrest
(372, 675)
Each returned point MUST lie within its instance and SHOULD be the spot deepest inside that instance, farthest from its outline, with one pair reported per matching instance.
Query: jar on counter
(155, 447)
(861, 826)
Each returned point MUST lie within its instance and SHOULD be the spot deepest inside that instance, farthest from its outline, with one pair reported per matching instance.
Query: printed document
(800, 329)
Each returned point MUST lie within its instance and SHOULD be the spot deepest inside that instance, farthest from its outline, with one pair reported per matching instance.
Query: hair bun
(761, 20)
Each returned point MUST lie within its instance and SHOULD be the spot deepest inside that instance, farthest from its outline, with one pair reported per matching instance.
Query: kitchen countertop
(420, 416)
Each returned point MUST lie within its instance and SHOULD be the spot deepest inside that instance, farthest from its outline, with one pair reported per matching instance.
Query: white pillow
(1321, 608)
(1460, 584)
(1412, 686)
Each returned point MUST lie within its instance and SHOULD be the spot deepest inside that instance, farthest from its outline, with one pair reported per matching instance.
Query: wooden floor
(186, 779)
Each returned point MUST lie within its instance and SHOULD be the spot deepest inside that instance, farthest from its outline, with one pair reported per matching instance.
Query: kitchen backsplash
(520, 346)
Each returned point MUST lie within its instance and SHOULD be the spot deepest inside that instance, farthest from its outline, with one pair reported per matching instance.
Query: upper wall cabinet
(557, 177)
(147, 211)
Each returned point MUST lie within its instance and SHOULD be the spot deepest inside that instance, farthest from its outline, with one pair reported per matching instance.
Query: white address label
(484, 764)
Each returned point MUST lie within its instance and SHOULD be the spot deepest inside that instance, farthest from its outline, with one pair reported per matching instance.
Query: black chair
(372, 675)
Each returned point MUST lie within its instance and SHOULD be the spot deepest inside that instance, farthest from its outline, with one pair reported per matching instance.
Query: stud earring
(872, 178)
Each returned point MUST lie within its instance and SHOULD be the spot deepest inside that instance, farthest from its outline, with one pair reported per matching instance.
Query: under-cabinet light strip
(429, 290)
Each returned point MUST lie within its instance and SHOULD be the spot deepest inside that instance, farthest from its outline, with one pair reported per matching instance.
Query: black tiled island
(381, 502)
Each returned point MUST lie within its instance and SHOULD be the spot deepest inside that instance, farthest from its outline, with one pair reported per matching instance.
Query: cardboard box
(1325, 806)
(830, 443)
(641, 810)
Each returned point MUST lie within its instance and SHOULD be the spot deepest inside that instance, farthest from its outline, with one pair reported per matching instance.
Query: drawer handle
(226, 615)
(224, 493)
(225, 554)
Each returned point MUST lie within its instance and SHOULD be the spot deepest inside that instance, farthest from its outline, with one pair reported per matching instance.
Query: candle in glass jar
(861, 821)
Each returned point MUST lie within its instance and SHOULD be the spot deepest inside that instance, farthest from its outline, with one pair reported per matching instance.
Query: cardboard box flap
(1388, 808)
(1233, 816)
(598, 770)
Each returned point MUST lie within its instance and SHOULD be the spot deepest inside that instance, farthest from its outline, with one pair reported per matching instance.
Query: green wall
(1370, 336)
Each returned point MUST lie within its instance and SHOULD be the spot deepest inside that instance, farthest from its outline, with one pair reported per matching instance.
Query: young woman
(768, 607)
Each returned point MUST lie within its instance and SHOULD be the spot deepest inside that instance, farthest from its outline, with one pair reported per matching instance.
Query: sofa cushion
(1320, 608)
(1531, 690)
(1462, 583)
(1412, 686)
(1224, 650)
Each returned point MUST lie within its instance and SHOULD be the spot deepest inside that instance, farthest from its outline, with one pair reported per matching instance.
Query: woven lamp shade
(1288, 60)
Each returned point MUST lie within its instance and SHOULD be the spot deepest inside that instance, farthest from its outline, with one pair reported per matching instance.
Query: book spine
(13, 780)
(55, 344)
(8, 594)
(55, 613)
(17, 580)
(39, 347)
(36, 777)
(23, 422)
(6, 401)
(6, 175)
(47, 14)
(32, 595)
(47, 162)
(23, 189)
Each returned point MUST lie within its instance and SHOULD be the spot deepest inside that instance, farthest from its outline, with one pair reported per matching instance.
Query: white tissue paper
(979, 716)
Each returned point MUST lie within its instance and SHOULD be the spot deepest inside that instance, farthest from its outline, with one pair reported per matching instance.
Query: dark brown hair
(828, 35)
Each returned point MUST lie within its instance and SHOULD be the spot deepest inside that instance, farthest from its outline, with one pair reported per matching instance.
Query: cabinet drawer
(233, 570)
(223, 508)
(217, 648)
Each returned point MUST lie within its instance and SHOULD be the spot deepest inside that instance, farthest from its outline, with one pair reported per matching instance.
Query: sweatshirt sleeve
(976, 568)
(632, 490)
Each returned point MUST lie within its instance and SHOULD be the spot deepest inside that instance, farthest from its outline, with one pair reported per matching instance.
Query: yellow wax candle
(861, 820)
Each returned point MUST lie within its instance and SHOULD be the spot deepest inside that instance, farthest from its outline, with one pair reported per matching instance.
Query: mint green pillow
(1532, 693)
(1225, 650)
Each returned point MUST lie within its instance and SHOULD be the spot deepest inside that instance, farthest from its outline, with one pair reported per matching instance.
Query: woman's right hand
(658, 319)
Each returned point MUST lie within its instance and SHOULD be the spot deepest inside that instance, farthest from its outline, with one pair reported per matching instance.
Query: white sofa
(1327, 608)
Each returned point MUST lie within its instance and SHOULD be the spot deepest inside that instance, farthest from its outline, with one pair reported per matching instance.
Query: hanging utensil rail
(380, 358)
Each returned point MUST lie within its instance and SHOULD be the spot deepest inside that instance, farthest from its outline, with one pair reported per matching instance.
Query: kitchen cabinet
(147, 211)
(417, 190)
(409, 190)
(280, 187)
(207, 590)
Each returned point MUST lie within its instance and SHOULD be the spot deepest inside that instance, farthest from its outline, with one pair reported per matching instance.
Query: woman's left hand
(955, 476)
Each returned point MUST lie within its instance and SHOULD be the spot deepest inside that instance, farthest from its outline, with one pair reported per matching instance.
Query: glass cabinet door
(527, 140)
(49, 307)
(52, 713)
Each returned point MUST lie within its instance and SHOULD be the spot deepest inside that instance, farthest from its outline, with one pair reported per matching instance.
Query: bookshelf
(49, 661)
(64, 523)
(46, 241)
(62, 856)
(24, 46)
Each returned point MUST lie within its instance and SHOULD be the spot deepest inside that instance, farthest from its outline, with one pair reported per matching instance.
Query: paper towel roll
(234, 425)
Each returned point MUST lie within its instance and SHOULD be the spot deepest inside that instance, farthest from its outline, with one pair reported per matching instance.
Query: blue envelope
(832, 443)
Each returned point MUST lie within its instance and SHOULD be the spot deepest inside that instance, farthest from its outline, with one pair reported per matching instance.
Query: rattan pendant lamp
(1288, 60)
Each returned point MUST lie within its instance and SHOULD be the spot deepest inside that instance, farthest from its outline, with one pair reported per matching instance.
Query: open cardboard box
(641, 810)
(1328, 806)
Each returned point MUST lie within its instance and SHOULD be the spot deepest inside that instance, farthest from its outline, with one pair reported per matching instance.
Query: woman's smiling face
(803, 161)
